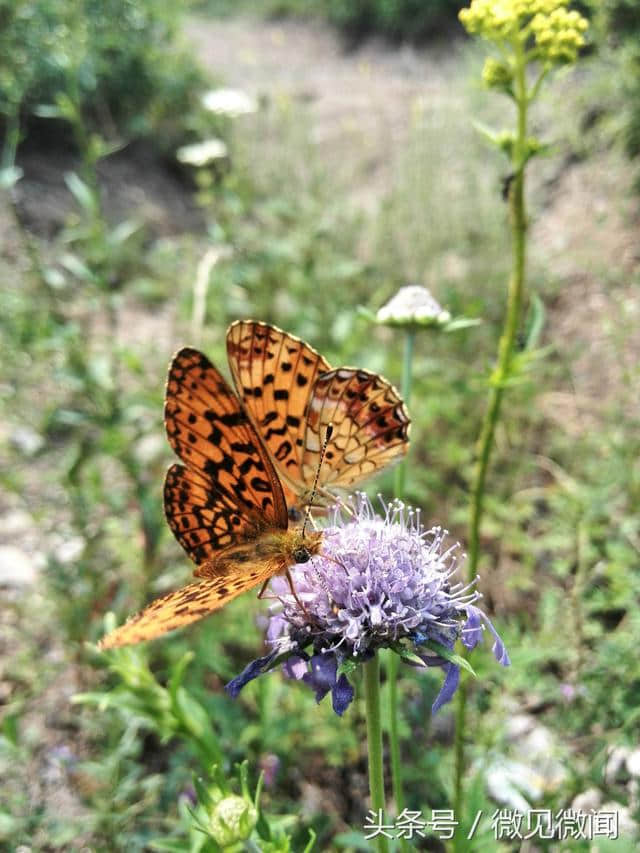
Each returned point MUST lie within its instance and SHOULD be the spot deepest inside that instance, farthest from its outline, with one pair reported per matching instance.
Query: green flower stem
(499, 378)
(405, 390)
(393, 659)
(374, 742)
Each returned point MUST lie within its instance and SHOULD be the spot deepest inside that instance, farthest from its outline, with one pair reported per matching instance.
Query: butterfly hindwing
(370, 426)
(188, 604)
(203, 518)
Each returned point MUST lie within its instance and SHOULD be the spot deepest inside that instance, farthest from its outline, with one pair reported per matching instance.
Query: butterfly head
(302, 547)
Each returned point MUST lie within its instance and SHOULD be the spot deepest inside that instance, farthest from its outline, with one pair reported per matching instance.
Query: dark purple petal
(341, 695)
(322, 677)
(448, 688)
(251, 671)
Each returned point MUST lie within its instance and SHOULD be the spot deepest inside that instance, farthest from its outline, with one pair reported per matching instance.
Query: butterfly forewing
(212, 434)
(274, 374)
(187, 605)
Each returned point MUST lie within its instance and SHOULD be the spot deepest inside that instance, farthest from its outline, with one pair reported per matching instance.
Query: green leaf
(82, 193)
(202, 793)
(535, 322)
(9, 177)
(348, 666)
(177, 674)
(461, 323)
(77, 267)
(312, 841)
(452, 657)
(409, 656)
(123, 232)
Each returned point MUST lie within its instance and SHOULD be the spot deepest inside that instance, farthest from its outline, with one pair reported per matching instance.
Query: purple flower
(380, 582)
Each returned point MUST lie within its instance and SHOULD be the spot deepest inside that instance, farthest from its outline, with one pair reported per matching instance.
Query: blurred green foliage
(622, 23)
(396, 20)
(119, 61)
(399, 20)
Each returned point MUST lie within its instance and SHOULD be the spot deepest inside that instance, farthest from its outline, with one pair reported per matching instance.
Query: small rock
(26, 440)
(16, 567)
(513, 784)
(69, 550)
(627, 827)
(587, 801)
(633, 763)
(519, 725)
(16, 522)
(535, 746)
(150, 448)
(615, 767)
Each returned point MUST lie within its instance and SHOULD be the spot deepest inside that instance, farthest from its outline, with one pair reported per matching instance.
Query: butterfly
(249, 456)
(292, 394)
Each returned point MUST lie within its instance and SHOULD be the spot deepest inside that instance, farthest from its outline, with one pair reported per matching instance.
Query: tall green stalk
(374, 743)
(518, 225)
(546, 34)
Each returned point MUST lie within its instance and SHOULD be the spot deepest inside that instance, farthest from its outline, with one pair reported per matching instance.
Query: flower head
(202, 153)
(379, 582)
(412, 304)
(229, 102)
(554, 33)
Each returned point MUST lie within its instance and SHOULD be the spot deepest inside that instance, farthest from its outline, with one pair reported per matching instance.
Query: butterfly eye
(301, 555)
(295, 514)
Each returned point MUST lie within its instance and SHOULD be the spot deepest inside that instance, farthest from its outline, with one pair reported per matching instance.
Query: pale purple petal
(472, 632)
(296, 666)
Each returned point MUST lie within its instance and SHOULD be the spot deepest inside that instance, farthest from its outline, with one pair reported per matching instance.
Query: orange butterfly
(226, 505)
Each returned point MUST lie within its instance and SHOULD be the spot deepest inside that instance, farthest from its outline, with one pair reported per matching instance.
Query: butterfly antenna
(327, 438)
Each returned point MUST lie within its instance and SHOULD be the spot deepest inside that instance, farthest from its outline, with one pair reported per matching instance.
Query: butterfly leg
(295, 594)
(263, 588)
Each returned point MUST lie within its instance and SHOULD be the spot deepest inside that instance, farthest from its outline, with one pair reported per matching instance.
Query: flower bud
(497, 75)
(232, 820)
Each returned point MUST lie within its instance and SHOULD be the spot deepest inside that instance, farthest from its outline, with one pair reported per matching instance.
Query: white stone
(633, 763)
(587, 801)
(616, 760)
(16, 567)
(69, 550)
(27, 440)
(627, 827)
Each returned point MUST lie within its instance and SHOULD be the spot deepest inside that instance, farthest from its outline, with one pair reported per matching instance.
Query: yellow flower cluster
(555, 32)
